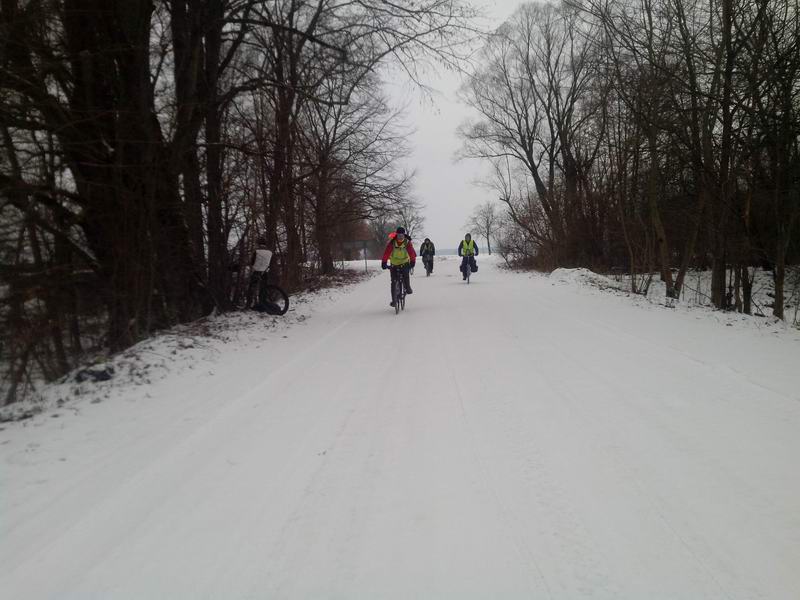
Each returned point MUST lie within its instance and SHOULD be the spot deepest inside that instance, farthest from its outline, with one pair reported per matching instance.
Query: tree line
(147, 144)
(653, 136)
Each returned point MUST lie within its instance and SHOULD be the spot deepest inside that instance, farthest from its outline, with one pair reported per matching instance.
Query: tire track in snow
(661, 348)
(324, 477)
(523, 549)
(580, 366)
(557, 531)
(161, 470)
(619, 460)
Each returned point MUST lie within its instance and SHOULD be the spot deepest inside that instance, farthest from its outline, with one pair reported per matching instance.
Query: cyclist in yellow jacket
(468, 250)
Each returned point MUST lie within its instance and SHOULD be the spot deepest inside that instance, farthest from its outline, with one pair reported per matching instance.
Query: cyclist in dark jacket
(468, 250)
(427, 250)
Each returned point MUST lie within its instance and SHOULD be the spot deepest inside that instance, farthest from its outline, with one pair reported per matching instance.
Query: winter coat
(399, 254)
(427, 249)
(461, 245)
(261, 259)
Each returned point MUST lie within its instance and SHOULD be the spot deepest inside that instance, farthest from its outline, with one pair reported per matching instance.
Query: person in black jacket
(467, 250)
(427, 250)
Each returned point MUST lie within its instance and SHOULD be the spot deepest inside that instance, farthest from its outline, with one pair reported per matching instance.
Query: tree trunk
(655, 216)
(780, 278)
(322, 225)
(217, 244)
(52, 306)
(691, 242)
(186, 21)
(747, 291)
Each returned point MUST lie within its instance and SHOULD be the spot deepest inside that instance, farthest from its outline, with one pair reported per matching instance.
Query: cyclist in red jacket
(401, 255)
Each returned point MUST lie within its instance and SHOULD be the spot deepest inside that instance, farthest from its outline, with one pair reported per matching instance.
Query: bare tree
(146, 143)
(529, 91)
(646, 136)
(485, 222)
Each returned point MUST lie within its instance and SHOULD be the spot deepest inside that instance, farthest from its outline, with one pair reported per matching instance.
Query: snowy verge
(696, 303)
(585, 277)
(192, 346)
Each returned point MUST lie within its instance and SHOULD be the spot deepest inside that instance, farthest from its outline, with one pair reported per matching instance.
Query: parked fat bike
(272, 299)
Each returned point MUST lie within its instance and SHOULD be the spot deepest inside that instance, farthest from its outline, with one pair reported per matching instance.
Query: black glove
(413, 263)
(384, 265)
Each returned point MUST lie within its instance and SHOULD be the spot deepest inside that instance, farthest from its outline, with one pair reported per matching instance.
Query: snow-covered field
(521, 437)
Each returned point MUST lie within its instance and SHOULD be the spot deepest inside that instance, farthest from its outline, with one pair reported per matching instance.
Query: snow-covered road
(513, 438)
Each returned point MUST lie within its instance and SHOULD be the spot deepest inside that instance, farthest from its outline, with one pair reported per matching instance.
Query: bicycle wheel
(396, 295)
(273, 295)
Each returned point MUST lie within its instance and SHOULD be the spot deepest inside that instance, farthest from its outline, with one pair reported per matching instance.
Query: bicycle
(272, 299)
(398, 289)
(428, 262)
(467, 269)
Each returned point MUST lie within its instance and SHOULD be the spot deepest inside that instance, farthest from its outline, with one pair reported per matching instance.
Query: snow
(584, 277)
(519, 437)
(697, 292)
(185, 347)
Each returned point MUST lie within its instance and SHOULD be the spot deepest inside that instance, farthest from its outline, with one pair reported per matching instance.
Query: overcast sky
(444, 186)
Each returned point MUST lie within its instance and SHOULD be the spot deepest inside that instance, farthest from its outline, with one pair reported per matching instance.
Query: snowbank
(584, 277)
(181, 349)
(695, 296)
